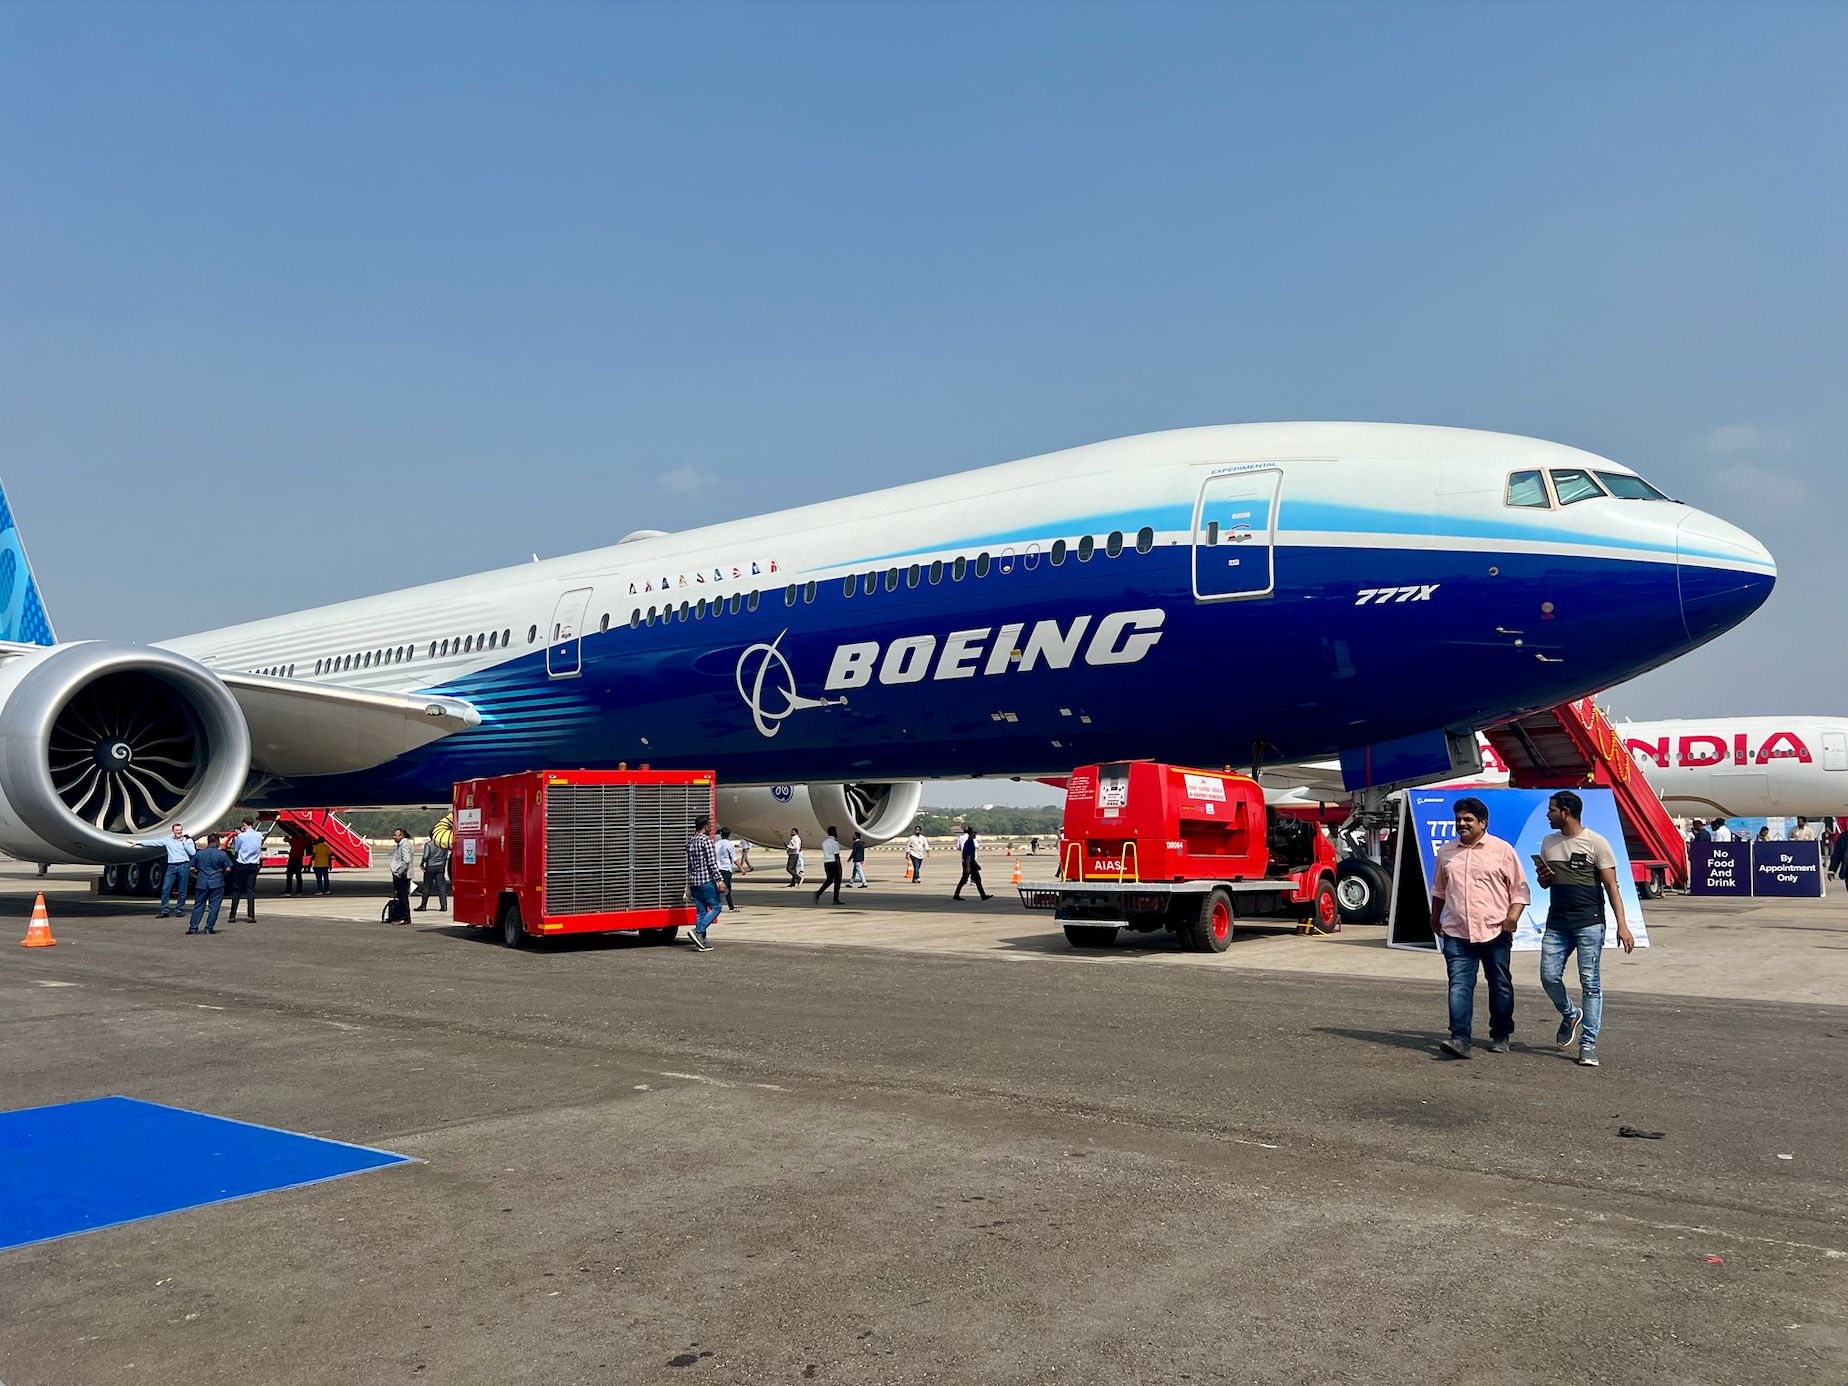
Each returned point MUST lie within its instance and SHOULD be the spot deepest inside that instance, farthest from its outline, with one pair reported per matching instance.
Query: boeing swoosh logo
(782, 682)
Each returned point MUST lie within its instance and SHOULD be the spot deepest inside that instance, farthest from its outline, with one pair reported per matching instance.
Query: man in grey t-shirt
(1579, 870)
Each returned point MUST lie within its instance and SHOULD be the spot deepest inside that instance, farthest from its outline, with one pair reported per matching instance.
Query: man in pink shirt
(1477, 896)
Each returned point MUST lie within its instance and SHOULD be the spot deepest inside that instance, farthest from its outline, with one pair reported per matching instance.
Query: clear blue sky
(306, 302)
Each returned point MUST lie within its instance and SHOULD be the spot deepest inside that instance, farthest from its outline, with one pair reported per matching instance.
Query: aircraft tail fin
(22, 615)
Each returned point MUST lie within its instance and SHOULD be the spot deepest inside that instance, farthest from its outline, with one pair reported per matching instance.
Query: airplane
(1238, 593)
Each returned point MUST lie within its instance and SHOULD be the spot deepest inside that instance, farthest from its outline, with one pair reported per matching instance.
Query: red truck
(577, 851)
(1150, 846)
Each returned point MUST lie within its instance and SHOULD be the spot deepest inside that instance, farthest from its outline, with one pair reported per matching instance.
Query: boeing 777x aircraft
(1286, 591)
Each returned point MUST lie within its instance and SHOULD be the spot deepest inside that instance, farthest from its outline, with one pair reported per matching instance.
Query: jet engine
(766, 813)
(101, 742)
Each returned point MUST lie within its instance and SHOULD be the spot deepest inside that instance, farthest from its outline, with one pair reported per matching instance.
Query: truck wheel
(1325, 913)
(1363, 890)
(513, 928)
(1650, 887)
(662, 935)
(1090, 935)
(1210, 929)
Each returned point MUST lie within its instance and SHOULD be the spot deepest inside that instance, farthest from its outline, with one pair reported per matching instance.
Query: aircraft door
(1835, 750)
(1234, 533)
(564, 653)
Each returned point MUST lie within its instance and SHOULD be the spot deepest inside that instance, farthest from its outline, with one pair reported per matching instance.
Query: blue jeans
(707, 906)
(1589, 942)
(1461, 957)
(175, 880)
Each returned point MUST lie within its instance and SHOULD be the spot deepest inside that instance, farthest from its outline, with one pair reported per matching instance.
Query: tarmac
(865, 1144)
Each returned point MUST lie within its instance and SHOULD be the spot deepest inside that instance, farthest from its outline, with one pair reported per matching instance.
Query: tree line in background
(999, 821)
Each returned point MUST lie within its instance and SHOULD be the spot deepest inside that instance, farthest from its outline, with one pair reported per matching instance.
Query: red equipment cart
(577, 851)
(1156, 846)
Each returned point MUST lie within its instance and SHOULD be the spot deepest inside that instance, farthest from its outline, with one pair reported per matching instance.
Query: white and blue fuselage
(1186, 596)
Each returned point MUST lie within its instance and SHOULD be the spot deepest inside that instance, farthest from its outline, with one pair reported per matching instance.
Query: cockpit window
(1527, 488)
(1573, 484)
(1626, 487)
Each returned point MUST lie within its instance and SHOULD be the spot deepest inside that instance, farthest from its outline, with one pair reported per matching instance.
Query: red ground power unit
(1152, 846)
(577, 851)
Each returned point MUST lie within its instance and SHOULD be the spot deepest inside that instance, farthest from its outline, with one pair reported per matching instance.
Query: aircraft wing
(300, 728)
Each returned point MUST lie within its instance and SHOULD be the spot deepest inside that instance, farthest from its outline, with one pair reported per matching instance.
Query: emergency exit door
(564, 651)
(1235, 526)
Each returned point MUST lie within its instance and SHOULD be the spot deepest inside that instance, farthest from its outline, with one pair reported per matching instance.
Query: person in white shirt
(247, 858)
(1805, 831)
(796, 868)
(180, 852)
(1719, 830)
(728, 862)
(831, 867)
(915, 849)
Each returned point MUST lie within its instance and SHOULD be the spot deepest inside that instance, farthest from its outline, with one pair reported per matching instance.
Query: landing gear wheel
(1209, 930)
(1090, 935)
(1325, 914)
(1363, 890)
(115, 880)
(513, 928)
(663, 935)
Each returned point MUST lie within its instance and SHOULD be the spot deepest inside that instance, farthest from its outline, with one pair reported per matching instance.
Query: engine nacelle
(765, 814)
(101, 742)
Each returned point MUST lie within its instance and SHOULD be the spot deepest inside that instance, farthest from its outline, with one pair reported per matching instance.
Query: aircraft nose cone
(1725, 574)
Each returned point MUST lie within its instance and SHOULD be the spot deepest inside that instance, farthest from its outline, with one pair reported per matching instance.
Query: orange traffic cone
(1016, 880)
(38, 932)
(907, 868)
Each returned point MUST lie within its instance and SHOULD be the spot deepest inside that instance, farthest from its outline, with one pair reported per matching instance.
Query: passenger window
(789, 595)
(651, 615)
(1058, 552)
(481, 642)
(751, 601)
(1114, 544)
(735, 600)
(506, 638)
(1626, 487)
(912, 574)
(1086, 548)
(1007, 560)
(936, 571)
(685, 611)
(1574, 484)
(604, 624)
(532, 634)
(635, 618)
(1145, 539)
(1033, 557)
(468, 645)
(981, 565)
(1212, 531)
(891, 579)
(808, 592)
(959, 569)
(1528, 490)
(850, 584)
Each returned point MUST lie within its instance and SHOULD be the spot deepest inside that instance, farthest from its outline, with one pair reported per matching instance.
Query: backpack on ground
(394, 912)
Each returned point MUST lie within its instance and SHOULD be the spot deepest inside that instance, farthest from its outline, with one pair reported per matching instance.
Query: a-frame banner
(1427, 820)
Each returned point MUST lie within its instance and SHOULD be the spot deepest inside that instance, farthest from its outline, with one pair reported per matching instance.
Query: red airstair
(349, 848)
(1574, 746)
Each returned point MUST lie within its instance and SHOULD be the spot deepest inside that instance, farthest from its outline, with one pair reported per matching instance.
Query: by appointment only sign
(1755, 868)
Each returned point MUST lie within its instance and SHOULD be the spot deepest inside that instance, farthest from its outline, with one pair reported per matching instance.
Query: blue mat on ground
(83, 1165)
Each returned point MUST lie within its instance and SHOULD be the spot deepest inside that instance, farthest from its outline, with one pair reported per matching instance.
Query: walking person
(830, 866)
(915, 849)
(702, 880)
(213, 865)
(180, 852)
(971, 868)
(727, 853)
(795, 859)
(1579, 871)
(248, 845)
(743, 845)
(400, 876)
(435, 875)
(1478, 893)
(322, 856)
(1838, 857)
(292, 873)
(859, 862)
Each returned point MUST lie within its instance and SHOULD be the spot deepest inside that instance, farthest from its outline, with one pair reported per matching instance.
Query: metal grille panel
(615, 847)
